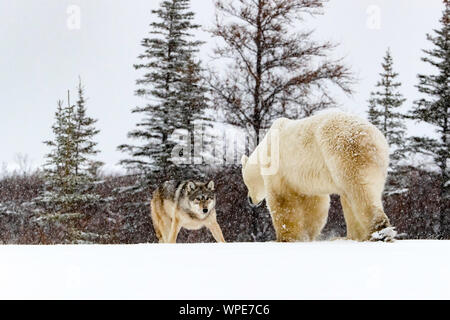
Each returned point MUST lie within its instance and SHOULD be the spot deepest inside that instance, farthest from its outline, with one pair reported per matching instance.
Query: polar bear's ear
(244, 161)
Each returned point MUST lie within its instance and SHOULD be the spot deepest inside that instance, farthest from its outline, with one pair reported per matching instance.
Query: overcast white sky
(41, 58)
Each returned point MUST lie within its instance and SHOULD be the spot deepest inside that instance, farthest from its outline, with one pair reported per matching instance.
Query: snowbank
(320, 270)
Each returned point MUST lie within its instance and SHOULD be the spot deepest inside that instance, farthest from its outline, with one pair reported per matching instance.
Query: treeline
(122, 219)
(270, 69)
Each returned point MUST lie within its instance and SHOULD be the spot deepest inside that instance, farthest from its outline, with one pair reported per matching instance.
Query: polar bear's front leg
(316, 210)
(286, 219)
(298, 217)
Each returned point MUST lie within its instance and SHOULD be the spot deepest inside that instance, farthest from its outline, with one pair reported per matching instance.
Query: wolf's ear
(211, 185)
(191, 186)
(244, 161)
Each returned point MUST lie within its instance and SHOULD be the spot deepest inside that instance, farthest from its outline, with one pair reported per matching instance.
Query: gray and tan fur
(188, 204)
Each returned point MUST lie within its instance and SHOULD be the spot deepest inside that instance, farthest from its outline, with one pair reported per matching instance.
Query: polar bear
(299, 163)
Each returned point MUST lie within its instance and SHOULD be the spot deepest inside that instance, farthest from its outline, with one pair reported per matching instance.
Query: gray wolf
(187, 204)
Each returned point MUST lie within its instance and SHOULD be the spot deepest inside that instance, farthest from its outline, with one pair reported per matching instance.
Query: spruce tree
(193, 104)
(433, 109)
(59, 184)
(172, 81)
(384, 113)
(68, 183)
(85, 165)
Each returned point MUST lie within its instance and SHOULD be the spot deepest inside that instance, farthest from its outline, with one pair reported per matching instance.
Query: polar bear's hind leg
(367, 206)
(355, 230)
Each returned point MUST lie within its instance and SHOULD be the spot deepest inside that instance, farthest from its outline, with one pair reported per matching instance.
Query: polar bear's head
(253, 180)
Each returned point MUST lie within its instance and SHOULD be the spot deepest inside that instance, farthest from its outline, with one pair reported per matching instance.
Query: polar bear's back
(320, 152)
(352, 138)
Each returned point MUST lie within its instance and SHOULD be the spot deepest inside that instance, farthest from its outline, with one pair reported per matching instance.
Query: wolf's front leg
(216, 231)
(174, 230)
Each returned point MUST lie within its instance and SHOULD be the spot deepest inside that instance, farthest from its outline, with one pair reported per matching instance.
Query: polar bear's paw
(388, 234)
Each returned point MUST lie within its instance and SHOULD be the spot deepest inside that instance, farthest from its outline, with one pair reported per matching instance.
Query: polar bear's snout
(253, 205)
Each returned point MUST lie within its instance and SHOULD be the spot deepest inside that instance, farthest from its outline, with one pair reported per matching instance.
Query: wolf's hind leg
(156, 221)
(160, 219)
(158, 233)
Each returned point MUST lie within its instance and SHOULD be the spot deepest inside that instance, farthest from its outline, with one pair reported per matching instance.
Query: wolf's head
(201, 198)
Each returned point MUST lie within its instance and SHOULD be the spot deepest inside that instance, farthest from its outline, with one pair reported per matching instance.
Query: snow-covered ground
(320, 270)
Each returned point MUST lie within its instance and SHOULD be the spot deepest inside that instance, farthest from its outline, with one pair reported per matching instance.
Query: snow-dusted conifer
(384, 113)
(59, 182)
(85, 164)
(384, 110)
(68, 185)
(172, 83)
(433, 108)
(193, 105)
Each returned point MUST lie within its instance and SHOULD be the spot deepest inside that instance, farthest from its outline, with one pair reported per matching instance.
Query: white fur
(330, 153)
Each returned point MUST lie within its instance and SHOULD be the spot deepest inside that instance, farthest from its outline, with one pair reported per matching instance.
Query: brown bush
(123, 216)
